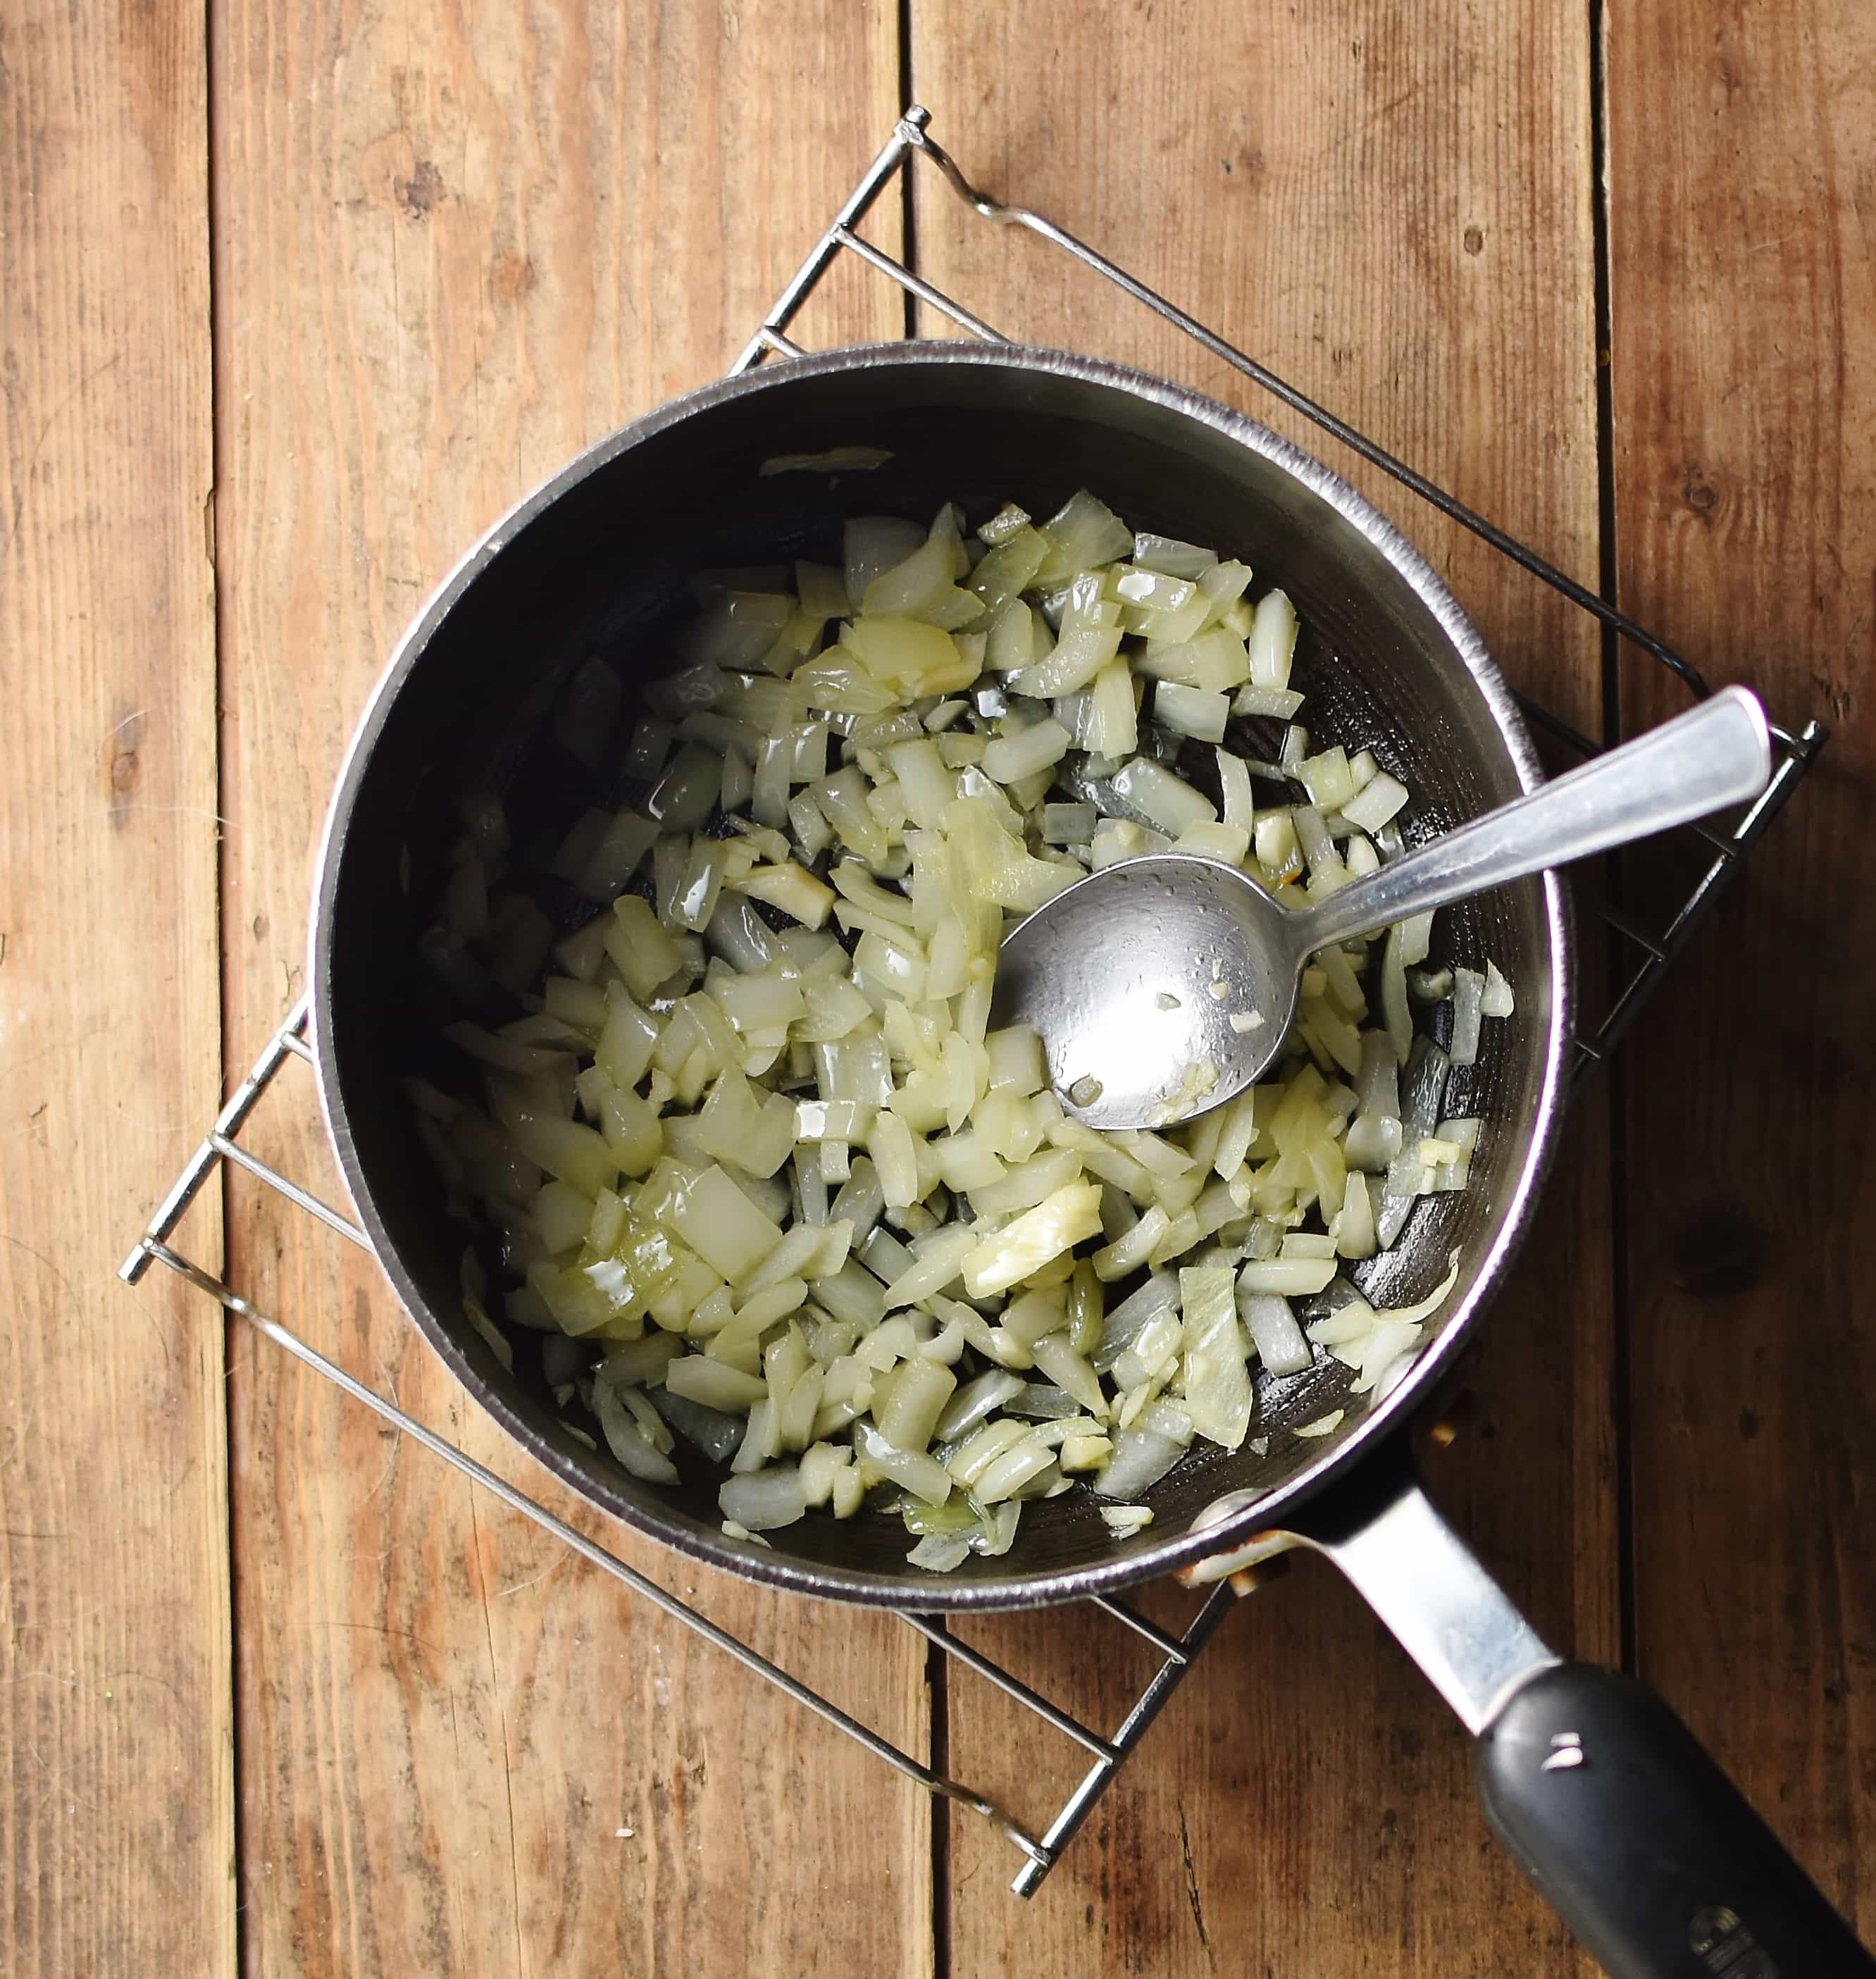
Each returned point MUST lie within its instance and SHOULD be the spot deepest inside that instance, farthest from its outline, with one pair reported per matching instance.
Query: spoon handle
(1717, 754)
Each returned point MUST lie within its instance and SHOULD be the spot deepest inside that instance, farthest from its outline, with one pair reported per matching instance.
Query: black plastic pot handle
(1647, 1852)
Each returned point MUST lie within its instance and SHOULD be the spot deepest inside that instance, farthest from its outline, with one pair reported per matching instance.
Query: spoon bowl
(1137, 972)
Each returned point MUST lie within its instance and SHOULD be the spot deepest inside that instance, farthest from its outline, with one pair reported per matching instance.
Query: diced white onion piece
(976, 1401)
(1394, 1011)
(925, 784)
(1140, 1458)
(1281, 1345)
(761, 1500)
(1167, 802)
(1071, 1373)
(768, 802)
(1085, 1452)
(1290, 1278)
(1230, 842)
(626, 1437)
(1416, 939)
(812, 831)
(1463, 1134)
(1277, 703)
(983, 1447)
(1083, 534)
(1124, 1325)
(1189, 711)
(688, 792)
(792, 889)
(1217, 1383)
(1015, 1060)
(1133, 1248)
(1168, 554)
(1011, 757)
(713, 1384)
(1235, 781)
(914, 585)
(919, 1474)
(1273, 640)
(939, 1264)
(1360, 857)
(1381, 798)
(1468, 997)
(940, 1553)
(1274, 840)
(916, 1393)
(852, 1293)
(1042, 1401)
(1385, 1344)
(1327, 779)
(1007, 1474)
(1497, 1000)
(1036, 1238)
(1118, 839)
(1354, 1228)
(721, 1224)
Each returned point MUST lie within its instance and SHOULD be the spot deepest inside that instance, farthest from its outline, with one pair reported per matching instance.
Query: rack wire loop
(1726, 851)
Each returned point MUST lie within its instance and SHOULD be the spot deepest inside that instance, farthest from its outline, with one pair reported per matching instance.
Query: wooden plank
(1396, 215)
(116, 1780)
(1743, 267)
(455, 249)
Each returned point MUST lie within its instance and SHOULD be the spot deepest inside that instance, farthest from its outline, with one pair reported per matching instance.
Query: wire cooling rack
(1646, 954)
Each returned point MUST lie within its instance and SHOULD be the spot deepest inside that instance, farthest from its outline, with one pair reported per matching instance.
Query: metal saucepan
(1629, 1828)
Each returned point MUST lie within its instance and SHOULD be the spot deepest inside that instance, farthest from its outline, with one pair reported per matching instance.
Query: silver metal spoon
(1132, 976)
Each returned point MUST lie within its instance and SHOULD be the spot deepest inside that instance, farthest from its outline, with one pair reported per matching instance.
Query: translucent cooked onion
(770, 1192)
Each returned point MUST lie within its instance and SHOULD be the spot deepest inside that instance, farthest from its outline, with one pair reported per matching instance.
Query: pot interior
(597, 565)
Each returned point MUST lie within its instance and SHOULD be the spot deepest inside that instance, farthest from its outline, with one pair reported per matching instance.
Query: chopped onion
(1140, 1458)
(761, 1500)
(1497, 999)
(1273, 640)
(753, 1136)
(1280, 1343)
(1036, 1238)
(1217, 1383)
(1189, 711)
(940, 1553)
(1168, 554)
(1379, 799)
(1279, 702)
(1468, 997)
(1423, 1088)
(1165, 802)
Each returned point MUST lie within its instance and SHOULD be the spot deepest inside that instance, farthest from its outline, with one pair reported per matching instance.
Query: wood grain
(1743, 270)
(1393, 209)
(117, 1836)
(455, 246)
(451, 248)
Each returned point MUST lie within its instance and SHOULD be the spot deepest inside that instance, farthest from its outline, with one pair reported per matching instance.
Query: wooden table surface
(294, 299)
